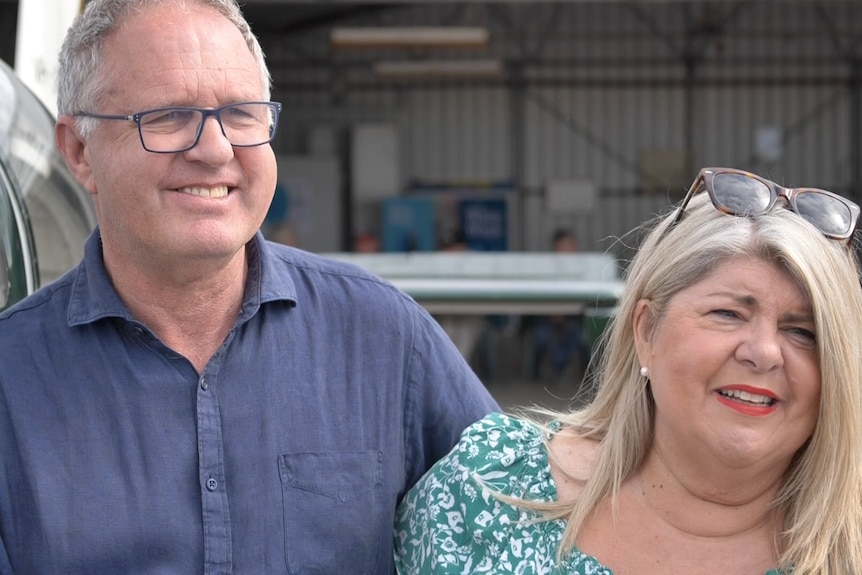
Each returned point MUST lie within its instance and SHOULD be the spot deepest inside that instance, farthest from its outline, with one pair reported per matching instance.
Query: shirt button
(212, 484)
(204, 384)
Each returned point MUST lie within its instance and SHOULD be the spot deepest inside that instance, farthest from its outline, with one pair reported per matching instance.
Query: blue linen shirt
(332, 394)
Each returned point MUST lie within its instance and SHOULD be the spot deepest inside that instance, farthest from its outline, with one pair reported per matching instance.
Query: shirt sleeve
(5, 566)
(449, 523)
(443, 396)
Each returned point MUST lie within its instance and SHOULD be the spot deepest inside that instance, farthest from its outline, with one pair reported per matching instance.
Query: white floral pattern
(448, 524)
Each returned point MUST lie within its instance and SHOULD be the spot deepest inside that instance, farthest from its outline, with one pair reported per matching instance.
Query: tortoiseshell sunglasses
(741, 193)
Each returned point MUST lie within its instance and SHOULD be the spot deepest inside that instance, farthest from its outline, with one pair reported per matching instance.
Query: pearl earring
(644, 371)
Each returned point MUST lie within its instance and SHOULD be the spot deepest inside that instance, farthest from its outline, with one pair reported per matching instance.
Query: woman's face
(733, 367)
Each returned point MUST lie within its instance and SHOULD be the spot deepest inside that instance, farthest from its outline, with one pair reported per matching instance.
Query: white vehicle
(45, 216)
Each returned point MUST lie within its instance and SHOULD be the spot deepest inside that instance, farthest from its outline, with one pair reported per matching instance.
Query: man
(191, 398)
(558, 338)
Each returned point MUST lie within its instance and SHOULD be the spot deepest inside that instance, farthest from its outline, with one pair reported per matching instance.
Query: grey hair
(82, 83)
(821, 499)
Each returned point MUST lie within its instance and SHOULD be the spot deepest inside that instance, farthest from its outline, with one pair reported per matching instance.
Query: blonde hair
(821, 500)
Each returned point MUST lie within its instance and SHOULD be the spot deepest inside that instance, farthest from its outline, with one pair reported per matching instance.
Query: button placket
(217, 536)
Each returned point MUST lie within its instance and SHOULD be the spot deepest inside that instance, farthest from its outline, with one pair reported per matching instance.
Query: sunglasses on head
(740, 193)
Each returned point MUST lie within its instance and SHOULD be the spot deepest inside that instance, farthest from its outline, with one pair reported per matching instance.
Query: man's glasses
(740, 193)
(178, 128)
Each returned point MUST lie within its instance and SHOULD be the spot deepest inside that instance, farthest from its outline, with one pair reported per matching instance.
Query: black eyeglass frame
(275, 109)
(706, 177)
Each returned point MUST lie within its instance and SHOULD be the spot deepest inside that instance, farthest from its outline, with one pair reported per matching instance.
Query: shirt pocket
(332, 511)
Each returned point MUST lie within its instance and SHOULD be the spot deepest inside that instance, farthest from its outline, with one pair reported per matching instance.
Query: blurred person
(564, 241)
(366, 243)
(193, 398)
(557, 339)
(725, 433)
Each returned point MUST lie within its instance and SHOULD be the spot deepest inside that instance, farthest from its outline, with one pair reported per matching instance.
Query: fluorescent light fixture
(439, 68)
(410, 36)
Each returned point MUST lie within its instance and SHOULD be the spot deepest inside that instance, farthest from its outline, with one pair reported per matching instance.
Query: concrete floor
(501, 366)
(498, 358)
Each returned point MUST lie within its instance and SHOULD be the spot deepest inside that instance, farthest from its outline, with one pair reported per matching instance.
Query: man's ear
(643, 324)
(73, 148)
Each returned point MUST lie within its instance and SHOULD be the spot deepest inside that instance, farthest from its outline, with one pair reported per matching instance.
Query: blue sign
(484, 224)
(408, 225)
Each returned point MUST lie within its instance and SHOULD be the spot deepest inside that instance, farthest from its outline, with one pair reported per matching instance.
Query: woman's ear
(73, 148)
(643, 324)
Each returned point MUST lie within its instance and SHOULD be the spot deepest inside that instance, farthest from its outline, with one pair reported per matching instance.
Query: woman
(725, 433)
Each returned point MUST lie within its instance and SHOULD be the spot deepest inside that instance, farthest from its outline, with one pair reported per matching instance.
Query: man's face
(178, 208)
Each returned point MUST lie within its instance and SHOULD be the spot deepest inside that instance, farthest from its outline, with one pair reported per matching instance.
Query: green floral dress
(448, 524)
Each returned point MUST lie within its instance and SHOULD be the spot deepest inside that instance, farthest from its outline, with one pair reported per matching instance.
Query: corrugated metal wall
(633, 97)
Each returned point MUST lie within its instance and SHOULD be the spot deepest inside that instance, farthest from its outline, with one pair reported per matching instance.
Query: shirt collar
(93, 296)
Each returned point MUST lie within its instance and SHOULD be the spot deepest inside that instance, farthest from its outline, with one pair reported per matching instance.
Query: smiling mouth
(747, 398)
(215, 193)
